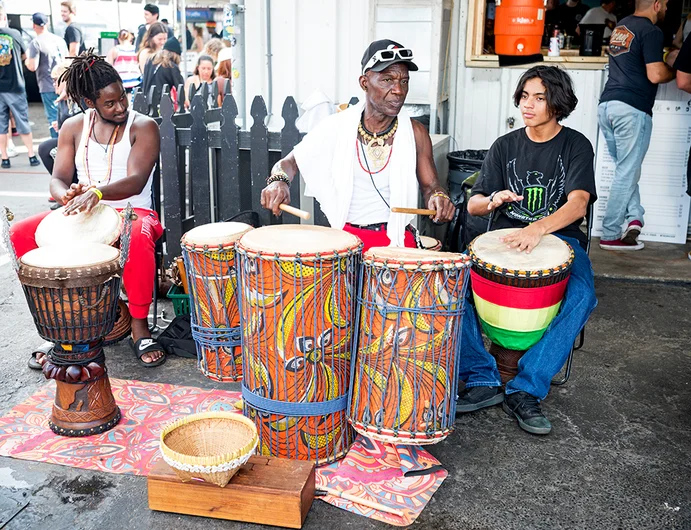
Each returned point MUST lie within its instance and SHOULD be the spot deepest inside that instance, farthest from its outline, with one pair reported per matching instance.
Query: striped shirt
(126, 65)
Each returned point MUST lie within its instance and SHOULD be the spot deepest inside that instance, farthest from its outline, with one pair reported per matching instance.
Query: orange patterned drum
(297, 311)
(404, 378)
(209, 254)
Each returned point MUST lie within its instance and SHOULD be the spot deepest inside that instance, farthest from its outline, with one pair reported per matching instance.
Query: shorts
(15, 102)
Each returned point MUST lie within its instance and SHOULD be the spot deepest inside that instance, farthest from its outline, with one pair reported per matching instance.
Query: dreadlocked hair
(87, 76)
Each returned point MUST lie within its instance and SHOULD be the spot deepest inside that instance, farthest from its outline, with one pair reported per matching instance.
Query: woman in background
(213, 47)
(123, 57)
(163, 69)
(198, 44)
(224, 72)
(153, 40)
(203, 73)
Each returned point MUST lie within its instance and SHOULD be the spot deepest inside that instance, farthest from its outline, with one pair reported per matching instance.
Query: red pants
(140, 268)
(378, 238)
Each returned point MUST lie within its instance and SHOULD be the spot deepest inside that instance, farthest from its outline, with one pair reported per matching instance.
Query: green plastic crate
(181, 301)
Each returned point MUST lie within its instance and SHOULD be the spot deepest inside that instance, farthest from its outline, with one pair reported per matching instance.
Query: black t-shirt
(73, 33)
(11, 50)
(543, 173)
(635, 42)
(158, 75)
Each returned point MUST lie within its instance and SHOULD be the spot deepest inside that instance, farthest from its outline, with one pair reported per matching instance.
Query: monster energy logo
(535, 196)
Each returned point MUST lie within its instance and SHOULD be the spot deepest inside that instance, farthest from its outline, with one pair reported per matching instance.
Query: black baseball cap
(39, 19)
(379, 65)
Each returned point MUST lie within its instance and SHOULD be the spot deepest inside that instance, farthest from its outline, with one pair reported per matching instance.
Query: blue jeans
(627, 133)
(51, 110)
(537, 367)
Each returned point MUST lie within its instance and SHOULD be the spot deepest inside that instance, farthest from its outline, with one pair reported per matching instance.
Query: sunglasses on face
(388, 55)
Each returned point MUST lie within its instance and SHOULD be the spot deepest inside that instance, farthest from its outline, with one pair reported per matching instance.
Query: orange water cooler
(518, 27)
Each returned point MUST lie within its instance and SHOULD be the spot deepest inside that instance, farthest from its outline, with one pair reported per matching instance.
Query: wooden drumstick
(414, 211)
(302, 214)
(360, 501)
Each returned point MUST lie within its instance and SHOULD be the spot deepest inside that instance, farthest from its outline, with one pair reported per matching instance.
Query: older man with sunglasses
(372, 156)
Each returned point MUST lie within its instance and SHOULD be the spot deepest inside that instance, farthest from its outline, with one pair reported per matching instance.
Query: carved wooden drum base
(507, 361)
(83, 409)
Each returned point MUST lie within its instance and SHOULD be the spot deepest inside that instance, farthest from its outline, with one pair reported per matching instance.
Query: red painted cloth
(138, 275)
(377, 238)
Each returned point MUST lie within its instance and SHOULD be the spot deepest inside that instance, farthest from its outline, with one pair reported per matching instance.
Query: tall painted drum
(297, 286)
(73, 297)
(209, 255)
(404, 380)
(517, 294)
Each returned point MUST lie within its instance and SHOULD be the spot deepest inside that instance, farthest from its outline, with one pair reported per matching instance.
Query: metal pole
(268, 60)
(183, 31)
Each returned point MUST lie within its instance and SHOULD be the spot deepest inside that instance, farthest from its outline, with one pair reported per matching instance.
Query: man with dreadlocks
(113, 150)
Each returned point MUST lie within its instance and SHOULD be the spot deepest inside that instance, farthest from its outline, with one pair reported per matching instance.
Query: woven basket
(210, 446)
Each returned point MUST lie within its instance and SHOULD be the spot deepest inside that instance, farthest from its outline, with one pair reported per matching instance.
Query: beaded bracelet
(278, 177)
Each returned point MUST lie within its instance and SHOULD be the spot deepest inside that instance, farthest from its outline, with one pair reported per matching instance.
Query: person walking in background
(154, 39)
(12, 91)
(123, 57)
(203, 73)
(151, 13)
(45, 52)
(163, 69)
(224, 72)
(198, 44)
(74, 36)
(625, 115)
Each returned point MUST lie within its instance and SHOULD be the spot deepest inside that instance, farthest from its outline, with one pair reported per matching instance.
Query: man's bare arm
(63, 168)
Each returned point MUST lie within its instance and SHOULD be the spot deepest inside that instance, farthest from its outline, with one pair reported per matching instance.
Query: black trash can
(463, 227)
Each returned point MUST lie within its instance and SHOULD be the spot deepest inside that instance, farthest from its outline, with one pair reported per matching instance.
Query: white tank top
(366, 206)
(98, 164)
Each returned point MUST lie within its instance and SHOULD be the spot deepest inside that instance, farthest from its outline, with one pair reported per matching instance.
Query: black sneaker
(6, 163)
(526, 409)
(34, 161)
(478, 397)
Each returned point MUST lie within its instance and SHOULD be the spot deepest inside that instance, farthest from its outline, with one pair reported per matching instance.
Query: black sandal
(147, 345)
(45, 349)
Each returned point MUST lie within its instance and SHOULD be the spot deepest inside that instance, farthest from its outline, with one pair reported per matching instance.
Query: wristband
(491, 196)
(97, 192)
(278, 177)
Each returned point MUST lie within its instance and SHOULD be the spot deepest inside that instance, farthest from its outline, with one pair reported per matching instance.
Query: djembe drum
(517, 294)
(73, 295)
(430, 243)
(209, 255)
(297, 308)
(404, 379)
(103, 224)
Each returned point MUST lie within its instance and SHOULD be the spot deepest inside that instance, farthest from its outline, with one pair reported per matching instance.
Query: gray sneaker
(526, 409)
(478, 397)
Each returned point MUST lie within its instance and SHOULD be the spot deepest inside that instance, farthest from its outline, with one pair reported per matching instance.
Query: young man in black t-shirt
(625, 115)
(74, 37)
(540, 179)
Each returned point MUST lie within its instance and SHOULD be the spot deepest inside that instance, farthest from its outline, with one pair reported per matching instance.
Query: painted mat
(131, 447)
(402, 478)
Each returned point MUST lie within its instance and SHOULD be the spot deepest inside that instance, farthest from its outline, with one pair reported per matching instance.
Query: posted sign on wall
(663, 175)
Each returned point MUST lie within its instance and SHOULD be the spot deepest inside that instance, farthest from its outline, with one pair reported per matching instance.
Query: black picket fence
(210, 169)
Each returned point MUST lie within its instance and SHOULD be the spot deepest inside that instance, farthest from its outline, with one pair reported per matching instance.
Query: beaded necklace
(376, 148)
(110, 148)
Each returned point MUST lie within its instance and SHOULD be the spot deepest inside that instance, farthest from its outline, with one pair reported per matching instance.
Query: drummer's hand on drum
(81, 203)
(525, 239)
(443, 206)
(502, 197)
(72, 192)
(274, 195)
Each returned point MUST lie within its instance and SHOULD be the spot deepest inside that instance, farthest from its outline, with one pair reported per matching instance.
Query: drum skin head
(101, 225)
(290, 240)
(215, 235)
(77, 256)
(413, 258)
(550, 253)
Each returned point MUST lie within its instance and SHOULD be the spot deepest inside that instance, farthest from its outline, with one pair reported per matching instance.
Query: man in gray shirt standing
(45, 52)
